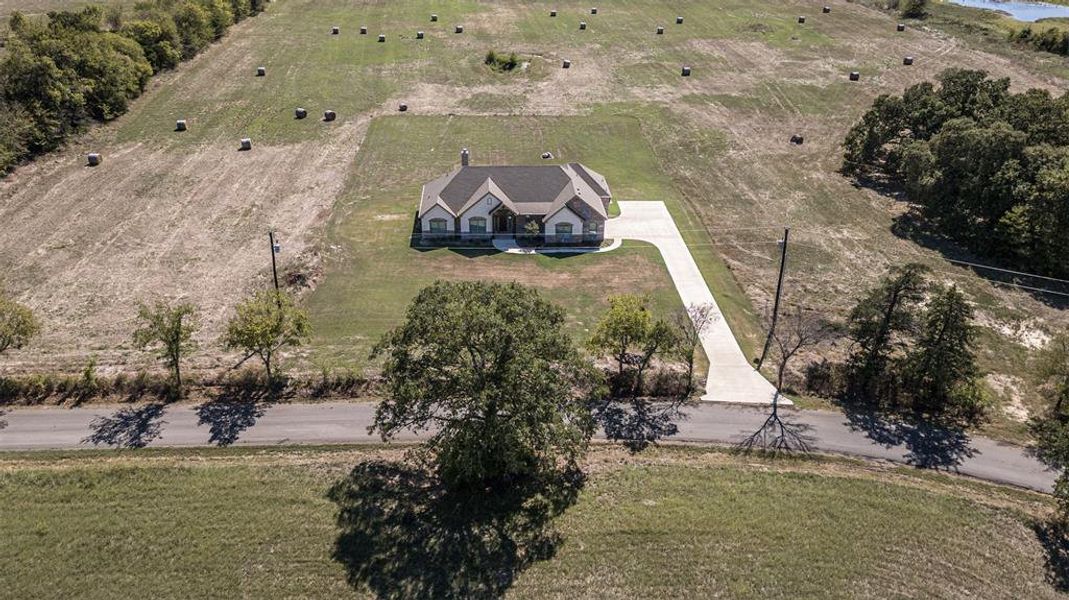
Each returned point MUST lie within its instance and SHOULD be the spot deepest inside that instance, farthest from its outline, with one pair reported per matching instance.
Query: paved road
(731, 377)
(335, 423)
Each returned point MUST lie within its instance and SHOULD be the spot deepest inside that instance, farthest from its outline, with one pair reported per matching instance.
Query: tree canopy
(17, 325)
(170, 330)
(986, 167)
(266, 323)
(489, 368)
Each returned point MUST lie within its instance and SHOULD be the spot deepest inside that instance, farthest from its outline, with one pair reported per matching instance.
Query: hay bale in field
(552, 13)
(93, 159)
(686, 71)
(826, 10)
(660, 30)
(419, 35)
(335, 30)
(458, 29)
(679, 20)
(402, 107)
(901, 27)
(300, 113)
(907, 60)
(382, 37)
(246, 145)
(801, 19)
(329, 115)
(180, 125)
(797, 139)
(261, 71)
(566, 64)
(434, 18)
(582, 25)
(594, 11)
(855, 76)
(363, 30)
(547, 155)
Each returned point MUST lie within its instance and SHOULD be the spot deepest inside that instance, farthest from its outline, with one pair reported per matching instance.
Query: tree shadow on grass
(404, 535)
(134, 427)
(638, 423)
(930, 444)
(1055, 541)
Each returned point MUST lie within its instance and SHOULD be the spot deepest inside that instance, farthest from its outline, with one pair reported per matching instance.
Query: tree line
(69, 69)
(985, 167)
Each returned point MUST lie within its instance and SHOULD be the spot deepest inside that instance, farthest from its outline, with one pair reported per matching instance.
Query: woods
(984, 166)
(63, 72)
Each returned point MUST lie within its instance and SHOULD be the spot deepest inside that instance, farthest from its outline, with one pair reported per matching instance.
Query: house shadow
(133, 427)
(1055, 541)
(638, 423)
(237, 407)
(931, 444)
(912, 226)
(402, 534)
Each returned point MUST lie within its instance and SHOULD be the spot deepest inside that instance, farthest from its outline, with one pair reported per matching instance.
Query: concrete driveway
(731, 376)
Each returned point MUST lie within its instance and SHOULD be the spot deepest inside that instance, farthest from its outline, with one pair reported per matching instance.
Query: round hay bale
(686, 71)
(300, 113)
(552, 13)
(855, 76)
(363, 30)
(582, 25)
(402, 107)
(93, 159)
(679, 20)
(329, 115)
(801, 19)
(566, 64)
(335, 30)
(594, 11)
(826, 10)
(459, 29)
(797, 139)
(434, 18)
(547, 155)
(907, 60)
(246, 145)
(261, 71)
(180, 125)
(660, 30)
(901, 27)
(382, 37)
(419, 35)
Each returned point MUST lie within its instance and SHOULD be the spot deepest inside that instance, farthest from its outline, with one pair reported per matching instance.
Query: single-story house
(569, 203)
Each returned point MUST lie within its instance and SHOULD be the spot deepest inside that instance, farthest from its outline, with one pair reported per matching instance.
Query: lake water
(1022, 11)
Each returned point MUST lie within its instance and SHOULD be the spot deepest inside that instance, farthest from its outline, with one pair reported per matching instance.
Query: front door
(504, 222)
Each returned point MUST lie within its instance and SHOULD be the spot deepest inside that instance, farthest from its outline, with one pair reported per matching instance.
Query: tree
(940, 369)
(913, 9)
(690, 324)
(1052, 372)
(17, 325)
(264, 324)
(629, 334)
(489, 368)
(170, 329)
(877, 325)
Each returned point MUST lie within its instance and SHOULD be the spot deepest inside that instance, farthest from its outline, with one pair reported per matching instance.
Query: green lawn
(373, 271)
(258, 523)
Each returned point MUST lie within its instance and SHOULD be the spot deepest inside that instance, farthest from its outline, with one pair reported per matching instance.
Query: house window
(590, 227)
(563, 230)
(477, 224)
(438, 226)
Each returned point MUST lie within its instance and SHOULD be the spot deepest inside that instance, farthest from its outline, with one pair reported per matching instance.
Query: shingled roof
(525, 190)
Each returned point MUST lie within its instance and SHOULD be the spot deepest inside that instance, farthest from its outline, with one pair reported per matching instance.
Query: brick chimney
(465, 157)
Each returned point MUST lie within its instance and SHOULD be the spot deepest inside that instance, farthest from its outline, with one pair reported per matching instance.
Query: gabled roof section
(525, 190)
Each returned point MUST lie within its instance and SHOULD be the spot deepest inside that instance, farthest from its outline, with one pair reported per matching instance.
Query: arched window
(477, 225)
(438, 226)
(563, 230)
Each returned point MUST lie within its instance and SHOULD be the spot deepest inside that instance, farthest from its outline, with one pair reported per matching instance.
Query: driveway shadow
(930, 444)
(134, 427)
(403, 535)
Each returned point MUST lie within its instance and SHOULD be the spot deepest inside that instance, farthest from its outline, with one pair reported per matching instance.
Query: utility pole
(779, 291)
(275, 249)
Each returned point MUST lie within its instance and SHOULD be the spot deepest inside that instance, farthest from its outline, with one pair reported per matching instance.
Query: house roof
(525, 190)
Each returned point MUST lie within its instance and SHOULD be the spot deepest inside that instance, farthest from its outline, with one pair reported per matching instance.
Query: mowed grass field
(682, 522)
(186, 215)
